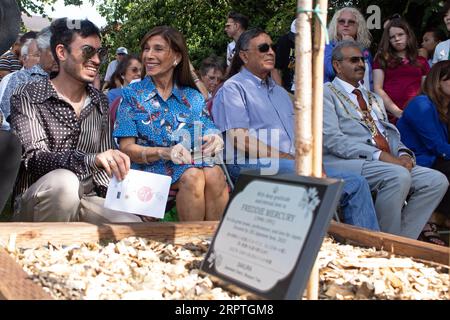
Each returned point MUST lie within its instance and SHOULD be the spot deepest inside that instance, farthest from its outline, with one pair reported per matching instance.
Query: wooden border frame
(15, 285)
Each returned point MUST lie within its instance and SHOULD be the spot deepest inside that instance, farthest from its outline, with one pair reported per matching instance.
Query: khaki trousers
(59, 196)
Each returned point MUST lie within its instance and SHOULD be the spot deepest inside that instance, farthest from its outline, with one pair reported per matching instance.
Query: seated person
(211, 73)
(160, 109)
(424, 129)
(358, 137)
(250, 106)
(129, 69)
(64, 128)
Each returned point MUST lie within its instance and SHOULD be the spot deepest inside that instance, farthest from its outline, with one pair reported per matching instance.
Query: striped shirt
(10, 62)
(54, 137)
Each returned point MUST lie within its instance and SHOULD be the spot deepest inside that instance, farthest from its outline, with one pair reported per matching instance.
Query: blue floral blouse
(143, 114)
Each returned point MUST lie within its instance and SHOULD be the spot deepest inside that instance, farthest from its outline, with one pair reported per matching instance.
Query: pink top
(403, 82)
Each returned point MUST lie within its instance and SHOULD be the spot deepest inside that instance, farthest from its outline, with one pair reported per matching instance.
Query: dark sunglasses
(265, 47)
(89, 51)
(354, 60)
(135, 69)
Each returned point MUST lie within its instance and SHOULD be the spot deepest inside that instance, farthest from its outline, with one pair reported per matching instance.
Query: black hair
(63, 31)
(242, 45)
(26, 36)
(438, 33)
(445, 8)
(239, 18)
(121, 70)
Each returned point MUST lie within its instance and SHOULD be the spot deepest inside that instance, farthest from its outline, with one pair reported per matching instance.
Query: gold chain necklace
(368, 120)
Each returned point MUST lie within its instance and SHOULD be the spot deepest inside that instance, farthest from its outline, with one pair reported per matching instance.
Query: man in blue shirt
(257, 116)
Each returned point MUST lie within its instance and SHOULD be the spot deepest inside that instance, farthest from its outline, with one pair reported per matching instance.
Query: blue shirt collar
(37, 70)
(258, 81)
(148, 84)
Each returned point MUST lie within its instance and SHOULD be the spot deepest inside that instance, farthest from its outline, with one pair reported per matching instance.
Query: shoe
(429, 234)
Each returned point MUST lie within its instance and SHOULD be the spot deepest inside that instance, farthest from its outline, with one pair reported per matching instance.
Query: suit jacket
(347, 142)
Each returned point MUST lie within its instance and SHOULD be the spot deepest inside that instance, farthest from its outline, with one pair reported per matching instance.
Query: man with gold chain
(359, 138)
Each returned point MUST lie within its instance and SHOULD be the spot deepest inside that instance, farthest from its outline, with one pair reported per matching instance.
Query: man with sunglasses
(257, 118)
(236, 24)
(65, 130)
(357, 137)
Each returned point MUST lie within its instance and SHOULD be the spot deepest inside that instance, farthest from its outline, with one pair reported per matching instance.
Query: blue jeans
(356, 200)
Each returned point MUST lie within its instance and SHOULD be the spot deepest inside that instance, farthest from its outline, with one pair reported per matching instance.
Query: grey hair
(363, 35)
(43, 39)
(337, 50)
(25, 48)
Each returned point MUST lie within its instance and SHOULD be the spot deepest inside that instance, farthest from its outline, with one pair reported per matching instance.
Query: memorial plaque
(271, 232)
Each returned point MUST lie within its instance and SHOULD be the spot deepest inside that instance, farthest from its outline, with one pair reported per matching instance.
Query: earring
(175, 63)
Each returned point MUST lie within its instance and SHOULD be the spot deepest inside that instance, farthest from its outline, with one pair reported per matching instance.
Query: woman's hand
(180, 155)
(212, 146)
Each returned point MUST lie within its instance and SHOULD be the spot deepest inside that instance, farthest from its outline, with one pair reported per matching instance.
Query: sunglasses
(349, 22)
(89, 51)
(135, 70)
(354, 60)
(263, 48)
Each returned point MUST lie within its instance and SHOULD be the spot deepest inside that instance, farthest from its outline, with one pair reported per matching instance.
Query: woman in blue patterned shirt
(162, 125)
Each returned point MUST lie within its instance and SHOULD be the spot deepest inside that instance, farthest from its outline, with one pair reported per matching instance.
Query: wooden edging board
(14, 283)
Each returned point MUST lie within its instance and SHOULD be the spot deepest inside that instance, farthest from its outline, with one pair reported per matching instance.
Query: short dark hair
(26, 36)
(438, 33)
(241, 45)
(336, 54)
(211, 62)
(64, 30)
(239, 18)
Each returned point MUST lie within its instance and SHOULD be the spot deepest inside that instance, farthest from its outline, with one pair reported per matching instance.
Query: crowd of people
(385, 125)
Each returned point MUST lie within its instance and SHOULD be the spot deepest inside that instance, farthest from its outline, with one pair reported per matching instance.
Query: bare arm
(378, 81)
(253, 147)
(4, 73)
(140, 154)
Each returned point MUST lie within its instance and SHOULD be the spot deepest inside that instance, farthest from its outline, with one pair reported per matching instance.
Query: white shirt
(441, 51)
(230, 52)
(112, 66)
(3, 85)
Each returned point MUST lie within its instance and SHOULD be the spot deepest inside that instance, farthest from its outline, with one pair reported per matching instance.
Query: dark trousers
(443, 166)
(10, 154)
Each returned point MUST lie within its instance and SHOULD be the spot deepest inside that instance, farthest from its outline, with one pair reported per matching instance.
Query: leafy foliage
(202, 21)
(37, 6)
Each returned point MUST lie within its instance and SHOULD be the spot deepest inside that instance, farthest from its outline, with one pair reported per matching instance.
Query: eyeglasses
(89, 51)
(265, 47)
(349, 22)
(135, 70)
(354, 60)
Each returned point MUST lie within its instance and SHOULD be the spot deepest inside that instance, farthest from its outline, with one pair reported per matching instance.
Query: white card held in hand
(142, 193)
